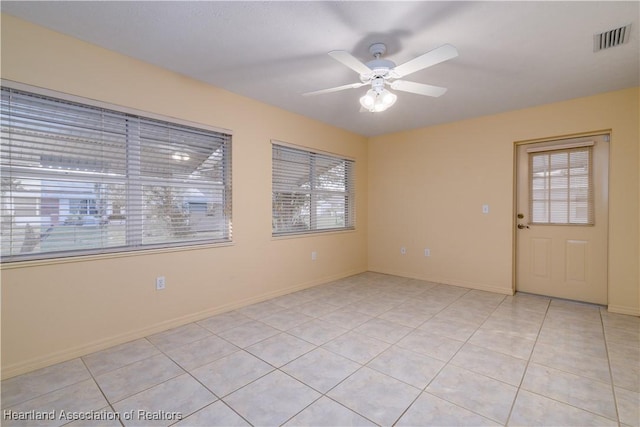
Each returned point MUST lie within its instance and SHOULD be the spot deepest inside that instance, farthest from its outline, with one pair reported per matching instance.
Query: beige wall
(427, 188)
(55, 311)
(417, 189)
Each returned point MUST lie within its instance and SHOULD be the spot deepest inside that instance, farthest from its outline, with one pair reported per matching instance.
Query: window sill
(84, 258)
(313, 234)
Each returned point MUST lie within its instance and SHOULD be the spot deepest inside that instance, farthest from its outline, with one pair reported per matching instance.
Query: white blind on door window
(78, 179)
(311, 192)
(561, 186)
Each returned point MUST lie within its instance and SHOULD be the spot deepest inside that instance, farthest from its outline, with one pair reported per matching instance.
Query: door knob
(522, 226)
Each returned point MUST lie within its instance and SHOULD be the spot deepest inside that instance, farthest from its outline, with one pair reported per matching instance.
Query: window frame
(571, 196)
(314, 194)
(135, 245)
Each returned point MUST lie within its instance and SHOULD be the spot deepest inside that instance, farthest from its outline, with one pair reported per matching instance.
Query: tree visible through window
(78, 179)
(311, 191)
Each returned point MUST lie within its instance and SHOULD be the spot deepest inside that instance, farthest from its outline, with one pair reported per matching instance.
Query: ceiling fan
(381, 72)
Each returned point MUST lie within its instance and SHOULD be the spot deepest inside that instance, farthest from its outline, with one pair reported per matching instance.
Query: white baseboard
(451, 282)
(620, 309)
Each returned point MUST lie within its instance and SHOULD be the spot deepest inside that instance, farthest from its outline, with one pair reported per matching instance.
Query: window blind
(78, 179)
(561, 186)
(311, 192)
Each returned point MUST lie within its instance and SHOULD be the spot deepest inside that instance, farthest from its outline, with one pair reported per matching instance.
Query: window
(79, 179)
(561, 186)
(312, 192)
(83, 207)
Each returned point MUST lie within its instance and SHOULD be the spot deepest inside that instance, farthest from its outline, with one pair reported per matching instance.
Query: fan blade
(430, 58)
(335, 89)
(350, 61)
(419, 88)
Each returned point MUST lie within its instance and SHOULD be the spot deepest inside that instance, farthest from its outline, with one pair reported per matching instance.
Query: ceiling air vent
(611, 38)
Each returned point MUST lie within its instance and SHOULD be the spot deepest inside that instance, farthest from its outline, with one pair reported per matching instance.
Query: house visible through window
(80, 179)
(561, 186)
(83, 207)
(311, 192)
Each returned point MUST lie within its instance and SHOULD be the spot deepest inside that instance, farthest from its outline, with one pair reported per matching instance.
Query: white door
(562, 218)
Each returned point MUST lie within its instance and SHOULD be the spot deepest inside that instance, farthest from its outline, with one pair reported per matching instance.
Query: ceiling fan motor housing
(379, 67)
(377, 84)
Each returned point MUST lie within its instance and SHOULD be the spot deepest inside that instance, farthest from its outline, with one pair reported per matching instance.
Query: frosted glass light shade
(378, 101)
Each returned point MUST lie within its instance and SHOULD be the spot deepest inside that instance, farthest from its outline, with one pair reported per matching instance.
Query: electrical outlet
(160, 283)
(427, 252)
(314, 256)
(485, 209)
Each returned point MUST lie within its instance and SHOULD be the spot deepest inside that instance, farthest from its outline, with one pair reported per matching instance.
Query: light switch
(485, 209)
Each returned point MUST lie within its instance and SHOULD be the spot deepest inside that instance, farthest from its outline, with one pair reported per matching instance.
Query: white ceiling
(512, 54)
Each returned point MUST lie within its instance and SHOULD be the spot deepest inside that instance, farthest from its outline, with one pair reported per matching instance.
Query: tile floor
(370, 349)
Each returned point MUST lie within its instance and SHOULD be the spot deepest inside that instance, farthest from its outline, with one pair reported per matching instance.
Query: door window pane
(561, 186)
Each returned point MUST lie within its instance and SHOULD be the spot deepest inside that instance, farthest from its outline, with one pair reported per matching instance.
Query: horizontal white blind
(556, 147)
(311, 191)
(78, 179)
(561, 186)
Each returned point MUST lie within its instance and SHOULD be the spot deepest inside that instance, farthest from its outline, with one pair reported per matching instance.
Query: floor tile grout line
(275, 368)
(188, 372)
(278, 367)
(28, 399)
(613, 388)
(222, 397)
(424, 389)
(146, 389)
(162, 352)
(158, 351)
(92, 377)
(218, 399)
(320, 345)
(596, 380)
(290, 334)
(571, 405)
(439, 311)
(524, 372)
(352, 410)
(326, 394)
(101, 391)
(291, 376)
(446, 363)
(453, 356)
(572, 373)
(414, 329)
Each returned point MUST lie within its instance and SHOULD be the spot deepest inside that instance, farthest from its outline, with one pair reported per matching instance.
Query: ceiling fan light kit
(380, 72)
(378, 98)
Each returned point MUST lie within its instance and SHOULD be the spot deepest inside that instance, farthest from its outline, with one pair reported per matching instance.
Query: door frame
(514, 213)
